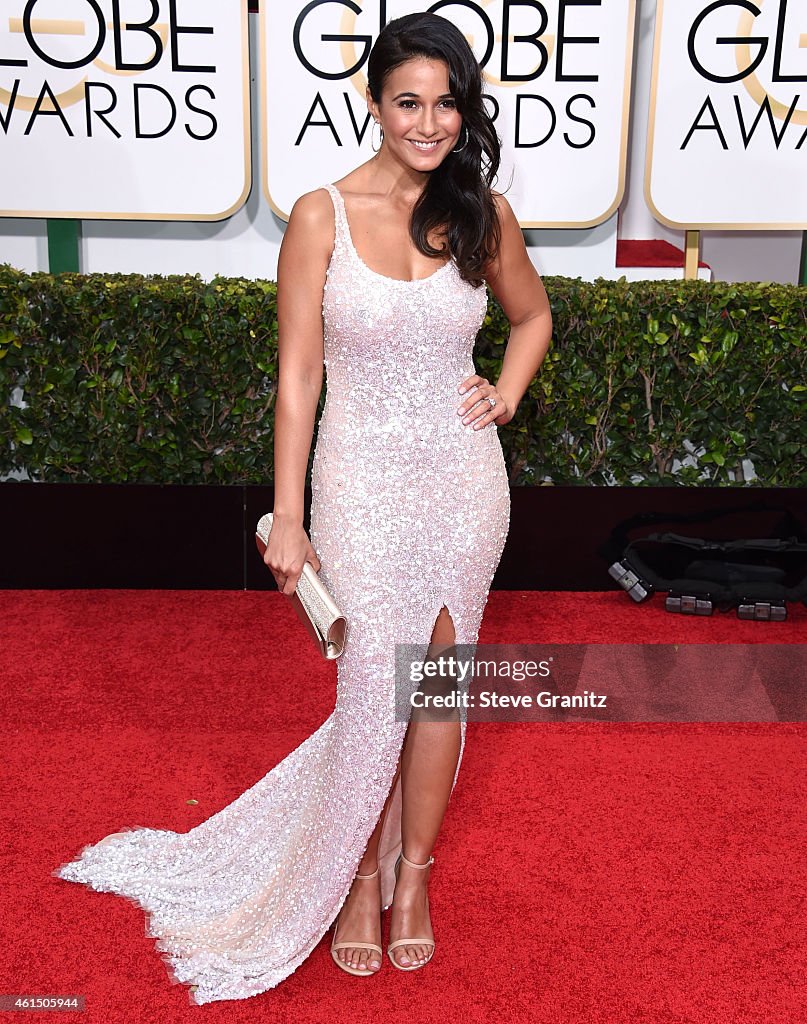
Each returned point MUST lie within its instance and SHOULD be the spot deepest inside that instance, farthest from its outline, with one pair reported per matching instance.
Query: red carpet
(650, 252)
(586, 873)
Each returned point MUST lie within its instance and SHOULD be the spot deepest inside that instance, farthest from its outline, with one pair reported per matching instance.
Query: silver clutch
(315, 607)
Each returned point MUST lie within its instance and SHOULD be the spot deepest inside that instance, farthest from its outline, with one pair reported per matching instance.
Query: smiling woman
(427, 98)
(381, 280)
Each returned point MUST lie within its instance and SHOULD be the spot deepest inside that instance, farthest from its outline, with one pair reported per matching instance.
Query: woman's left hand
(478, 414)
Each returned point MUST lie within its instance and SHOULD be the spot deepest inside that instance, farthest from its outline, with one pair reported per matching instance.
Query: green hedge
(116, 378)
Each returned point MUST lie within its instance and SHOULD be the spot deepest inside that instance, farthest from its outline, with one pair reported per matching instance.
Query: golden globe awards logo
(528, 56)
(123, 97)
(728, 114)
(557, 80)
(100, 101)
(751, 49)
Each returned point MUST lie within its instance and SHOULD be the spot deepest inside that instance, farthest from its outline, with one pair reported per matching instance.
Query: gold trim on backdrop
(623, 145)
(359, 81)
(651, 126)
(53, 26)
(263, 93)
(692, 245)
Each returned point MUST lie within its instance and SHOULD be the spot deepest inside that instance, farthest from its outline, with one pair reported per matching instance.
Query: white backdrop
(559, 75)
(88, 129)
(247, 242)
(728, 114)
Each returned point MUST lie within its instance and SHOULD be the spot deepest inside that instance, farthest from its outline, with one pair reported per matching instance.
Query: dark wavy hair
(457, 195)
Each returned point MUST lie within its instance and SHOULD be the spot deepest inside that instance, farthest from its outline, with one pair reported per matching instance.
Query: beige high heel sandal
(410, 942)
(357, 971)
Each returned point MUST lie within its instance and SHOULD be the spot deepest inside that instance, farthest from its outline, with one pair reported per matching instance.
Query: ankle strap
(412, 864)
(371, 875)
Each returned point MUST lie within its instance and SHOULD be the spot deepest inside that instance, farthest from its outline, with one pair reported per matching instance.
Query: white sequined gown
(410, 512)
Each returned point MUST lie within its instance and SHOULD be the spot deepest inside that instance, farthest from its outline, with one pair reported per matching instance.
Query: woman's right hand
(287, 552)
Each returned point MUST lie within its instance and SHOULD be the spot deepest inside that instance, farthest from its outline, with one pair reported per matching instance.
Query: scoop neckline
(375, 273)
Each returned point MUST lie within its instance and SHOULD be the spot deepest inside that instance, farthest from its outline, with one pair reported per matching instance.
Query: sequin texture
(410, 511)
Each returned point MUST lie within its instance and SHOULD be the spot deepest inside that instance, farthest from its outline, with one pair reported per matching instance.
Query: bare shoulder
(511, 240)
(503, 209)
(312, 218)
(313, 210)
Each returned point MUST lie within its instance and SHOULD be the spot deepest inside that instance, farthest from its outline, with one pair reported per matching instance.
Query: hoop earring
(374, 148)
(459, 149)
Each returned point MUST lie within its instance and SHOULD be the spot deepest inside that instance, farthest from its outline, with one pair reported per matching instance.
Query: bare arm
(301, 270)
(302, 265)
(517, 285)
(520, 291)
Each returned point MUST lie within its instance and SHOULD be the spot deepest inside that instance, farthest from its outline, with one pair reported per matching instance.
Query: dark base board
(56, 536)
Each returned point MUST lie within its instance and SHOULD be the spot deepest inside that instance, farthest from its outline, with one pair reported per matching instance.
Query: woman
(410, 509)
(381, 279)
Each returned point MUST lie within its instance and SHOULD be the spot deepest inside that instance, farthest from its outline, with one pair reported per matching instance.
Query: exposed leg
(428, 764)
(360, 916)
